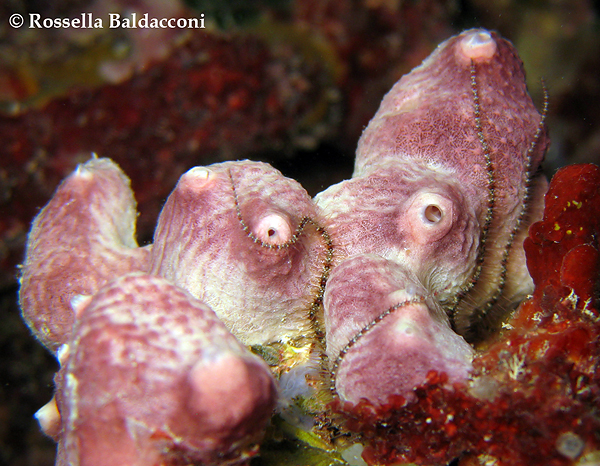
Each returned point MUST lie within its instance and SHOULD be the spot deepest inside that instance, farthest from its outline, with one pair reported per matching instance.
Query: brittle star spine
(363, 331)
(315, 305)
(491, 186)
(524, 208)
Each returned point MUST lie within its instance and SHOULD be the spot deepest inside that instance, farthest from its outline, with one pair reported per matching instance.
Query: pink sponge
(392, 335)
(153, 377)
(83, 238)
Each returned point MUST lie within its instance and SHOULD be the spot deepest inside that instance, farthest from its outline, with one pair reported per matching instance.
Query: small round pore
(429, 217)
(273, 229)
(432, 213)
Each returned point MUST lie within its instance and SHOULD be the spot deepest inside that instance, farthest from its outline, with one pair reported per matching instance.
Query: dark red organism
(562, 250)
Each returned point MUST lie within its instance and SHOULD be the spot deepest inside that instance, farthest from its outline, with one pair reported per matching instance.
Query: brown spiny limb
(363, 331)
(315, 306)
(491, 182)
(524, 208)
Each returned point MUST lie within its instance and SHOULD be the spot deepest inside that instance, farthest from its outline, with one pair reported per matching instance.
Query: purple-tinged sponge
(84, 237)
(384, 335)
(415, 217)
(153, 377)
(465, 113)
(240, 235)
